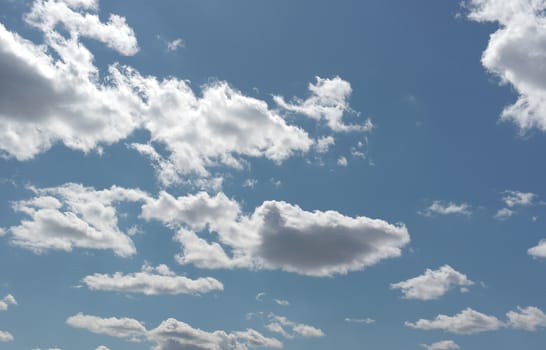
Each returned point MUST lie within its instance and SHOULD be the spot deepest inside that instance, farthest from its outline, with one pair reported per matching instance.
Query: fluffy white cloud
(115, 327)
(342, 161)
(277, 235)
(515, 53)
(7, 301)
(74, 216)
(529, 318)
(323, 144)
(467, 321)
(442, 345)
(516, 198)
(279, 324)
(503, 214)
(329, 101)
(5, 337)
(152, 281)
(538, 251)
(446, 208)
(432, 284)
(172, 334)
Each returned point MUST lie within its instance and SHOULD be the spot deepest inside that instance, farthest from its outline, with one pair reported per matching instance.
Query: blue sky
(232, 175)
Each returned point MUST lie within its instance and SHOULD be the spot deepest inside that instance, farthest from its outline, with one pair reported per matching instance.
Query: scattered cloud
(442, 345)
(446, 208)
(282, 302)
(528, 319)
(515, 54)
(433, 283)
(280, 324)
(175, 44)
(5, 337)
(152, 281)
(324, 143)
(467, 321)
(516, 198)
(73, 216)
(329, 101)
(6, 302)
(503, 214)
(342, 161)
(277, 235)
(250, 183)
(260, 296)
(173, 334)
(360, 320)
(538, 251)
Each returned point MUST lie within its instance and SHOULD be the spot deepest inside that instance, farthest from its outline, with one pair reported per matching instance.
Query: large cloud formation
(516, 53)
(172, 334)
(277, 235)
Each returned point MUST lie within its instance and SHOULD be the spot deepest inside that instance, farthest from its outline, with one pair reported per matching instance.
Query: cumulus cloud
(152, 281)
(530, 318)
(503, 214)
(5, 337)
(7, 301)
(442, 345)
(433, 283)
(73, 216)
(280, 324)
(277, 235)
(116, 327)
(516, 198)
(329, 101)
(515, 53)
(467, 321)
(172, 334)
(446, 208)
(538, 251)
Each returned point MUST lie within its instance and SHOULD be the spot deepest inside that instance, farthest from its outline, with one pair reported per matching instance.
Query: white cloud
(516, 198)
(329, 101)
(259, 296)
(467, 321)
(175, 44)
(7, 301)
(503, 214)
(172, 334)
(529, 318)
(323, 144)
(538, 251)
(360, 320)
(446, 208)
(432, 284)
(250, 183)
(442, 345)
(102, 347)
(115, 327)
(2, 231)
(152, 281)
(5, 337)
(342, 161)
(74, 216)
(279, 324)
(277, 235)
(281, 302)
(515, 53)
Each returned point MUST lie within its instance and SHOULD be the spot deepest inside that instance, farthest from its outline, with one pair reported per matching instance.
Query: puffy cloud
(152, 281)
(74, 216)
(329, 101)
(175, 44)
(360, 320)
(5, 337)
(342, 161)
(538, 251)
(279, 324)
(115, 327)
(432, 284)
(515, 53)
(172, 334)
(467, 321)
(277, 235)
(529, 318)
(446, 208)
(323, 144)
(7, 301)
(516, 198)
(503, 214)
(442, 345)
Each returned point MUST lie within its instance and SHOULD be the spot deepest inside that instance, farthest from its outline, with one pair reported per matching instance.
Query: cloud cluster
(73, 216)
(433, 283)
(446, 208)
(277, 235)
(280, 324)
(515, 53)
(172, 334)
(7, 301)
(152, 281)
